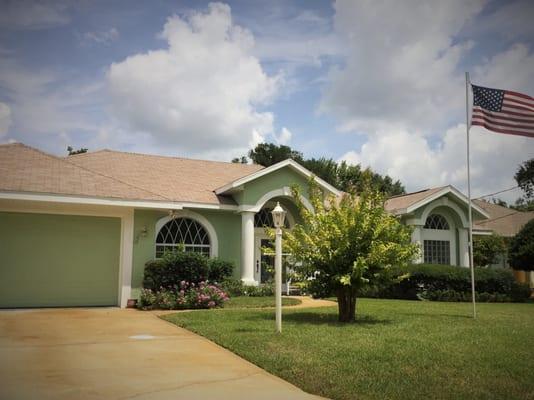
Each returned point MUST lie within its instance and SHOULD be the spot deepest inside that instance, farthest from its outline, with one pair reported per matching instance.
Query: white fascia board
(57, 198)
(442, 192)
(286, 163)
(482, 232)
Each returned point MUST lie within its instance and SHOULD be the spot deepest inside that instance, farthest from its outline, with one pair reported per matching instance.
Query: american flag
(503, 111)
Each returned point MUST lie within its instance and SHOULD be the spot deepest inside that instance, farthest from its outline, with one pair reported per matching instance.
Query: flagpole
(470, 246)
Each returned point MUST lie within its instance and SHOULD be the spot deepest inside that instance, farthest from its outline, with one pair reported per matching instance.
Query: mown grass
(258, 302)
(396, 349)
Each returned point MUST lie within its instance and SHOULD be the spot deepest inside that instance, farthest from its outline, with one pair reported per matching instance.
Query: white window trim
(214, 243)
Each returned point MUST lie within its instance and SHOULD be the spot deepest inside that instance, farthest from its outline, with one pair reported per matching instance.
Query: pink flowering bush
(186, 295)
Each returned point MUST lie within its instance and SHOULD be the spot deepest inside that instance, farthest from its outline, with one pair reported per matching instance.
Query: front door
(264, 261)
(264, 254)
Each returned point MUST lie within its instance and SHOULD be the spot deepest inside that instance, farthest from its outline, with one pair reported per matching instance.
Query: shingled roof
(502, 220)
(113, 174)
(403, 201)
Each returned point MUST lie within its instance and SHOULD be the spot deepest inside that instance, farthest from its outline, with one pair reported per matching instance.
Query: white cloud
(102, 37)
(512, 69)
(5, 118)
(284, 137)
(33, 14)
(410, 158)
(202, 92)
(401, 64)
(46, 110)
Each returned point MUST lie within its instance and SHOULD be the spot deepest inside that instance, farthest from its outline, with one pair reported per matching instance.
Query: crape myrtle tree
(346, 243)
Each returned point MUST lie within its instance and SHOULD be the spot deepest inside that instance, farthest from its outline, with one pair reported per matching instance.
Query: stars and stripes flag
(503, 111)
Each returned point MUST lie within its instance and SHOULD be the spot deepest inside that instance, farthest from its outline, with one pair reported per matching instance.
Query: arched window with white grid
(183, 231)
(437, 222)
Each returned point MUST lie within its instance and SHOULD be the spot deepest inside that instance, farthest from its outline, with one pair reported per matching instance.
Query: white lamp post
(278, 218)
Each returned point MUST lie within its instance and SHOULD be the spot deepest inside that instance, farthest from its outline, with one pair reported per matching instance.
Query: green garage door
(58, 260)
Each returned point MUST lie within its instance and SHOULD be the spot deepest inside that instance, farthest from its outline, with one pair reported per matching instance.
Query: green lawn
(396, 350)
(258, 302)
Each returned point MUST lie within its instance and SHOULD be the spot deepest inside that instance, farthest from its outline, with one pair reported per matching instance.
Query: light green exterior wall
(58, 260)
(227, 225)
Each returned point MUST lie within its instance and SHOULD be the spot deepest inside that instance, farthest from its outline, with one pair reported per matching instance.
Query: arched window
(436, 221)
(183, 231)
(264, 218)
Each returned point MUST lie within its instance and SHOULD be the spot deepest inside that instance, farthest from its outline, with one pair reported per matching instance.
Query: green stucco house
(78, 230)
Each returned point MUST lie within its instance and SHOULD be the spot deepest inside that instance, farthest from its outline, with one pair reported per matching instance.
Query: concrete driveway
(107, 353)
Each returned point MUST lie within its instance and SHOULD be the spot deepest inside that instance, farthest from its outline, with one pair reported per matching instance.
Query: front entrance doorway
(264, 261)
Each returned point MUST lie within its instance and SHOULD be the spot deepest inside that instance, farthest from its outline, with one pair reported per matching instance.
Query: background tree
(71, 150)
(486, 249)
(346, 244)
(346, 177)
(521, 252)
(240, 160)
(267, 154)
(525, 178)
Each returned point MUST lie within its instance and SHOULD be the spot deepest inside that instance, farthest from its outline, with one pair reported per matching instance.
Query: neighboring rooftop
(113, 174)
(403, 201)
(503, 220)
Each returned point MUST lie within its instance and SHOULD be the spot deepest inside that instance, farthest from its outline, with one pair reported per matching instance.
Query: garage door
(58, 260)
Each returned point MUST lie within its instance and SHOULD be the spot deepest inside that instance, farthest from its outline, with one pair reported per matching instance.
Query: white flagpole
(471, 263)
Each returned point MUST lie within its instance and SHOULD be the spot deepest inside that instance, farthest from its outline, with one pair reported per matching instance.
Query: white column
(126, 257)
(463, 245)
(417, 238)
(247, 248)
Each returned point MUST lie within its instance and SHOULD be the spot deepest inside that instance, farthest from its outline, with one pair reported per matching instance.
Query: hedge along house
(77, 231)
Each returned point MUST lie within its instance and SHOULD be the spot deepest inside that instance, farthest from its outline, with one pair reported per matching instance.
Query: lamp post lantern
(279, 216)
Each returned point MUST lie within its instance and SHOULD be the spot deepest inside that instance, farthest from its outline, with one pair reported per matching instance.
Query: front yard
(396, 350)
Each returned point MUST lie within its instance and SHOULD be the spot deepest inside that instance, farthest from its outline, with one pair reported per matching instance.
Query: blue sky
(379, 83)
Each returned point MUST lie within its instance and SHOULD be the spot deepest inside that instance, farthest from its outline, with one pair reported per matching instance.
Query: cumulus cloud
(32, 14)
(202, 92)
(284, 137)
(410, 158)
(5, 118)
(401, 64)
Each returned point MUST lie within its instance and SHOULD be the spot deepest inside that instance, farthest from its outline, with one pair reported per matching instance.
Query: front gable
(251, 192)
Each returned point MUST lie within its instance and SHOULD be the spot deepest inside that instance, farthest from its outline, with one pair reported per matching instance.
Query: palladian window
(436, 221)
(184, 232)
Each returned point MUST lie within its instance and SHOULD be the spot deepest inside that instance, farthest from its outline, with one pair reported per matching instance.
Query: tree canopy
(521, 253)
(72, 152)
(347, 243)
(525, 178)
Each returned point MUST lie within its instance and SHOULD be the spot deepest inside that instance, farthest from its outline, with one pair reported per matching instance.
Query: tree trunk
(346, 302)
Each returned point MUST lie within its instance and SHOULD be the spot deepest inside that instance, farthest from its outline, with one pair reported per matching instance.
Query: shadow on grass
(319, 318)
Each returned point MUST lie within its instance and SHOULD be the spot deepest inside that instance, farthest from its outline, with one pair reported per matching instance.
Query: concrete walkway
(308, 302)
(107, 353)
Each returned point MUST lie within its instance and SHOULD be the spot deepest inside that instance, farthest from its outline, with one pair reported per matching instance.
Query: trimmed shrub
(218, 269)
(520, 292)
(177, 266)
(450, 283)
(235, 287)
